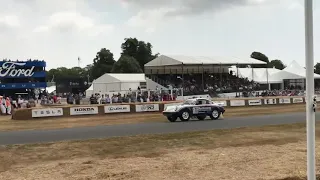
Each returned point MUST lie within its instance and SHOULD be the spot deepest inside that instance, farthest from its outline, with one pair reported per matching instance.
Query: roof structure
(167, 60)
(265, 75)
(117, 77)
(295, 68)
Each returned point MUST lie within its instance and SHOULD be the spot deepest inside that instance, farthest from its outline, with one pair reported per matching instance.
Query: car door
(202, 107)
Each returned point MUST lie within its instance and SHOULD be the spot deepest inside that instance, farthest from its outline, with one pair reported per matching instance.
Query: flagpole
(310, 111)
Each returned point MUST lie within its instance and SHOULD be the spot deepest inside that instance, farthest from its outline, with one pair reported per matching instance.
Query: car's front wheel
(172, 119)
(215, 114)
(185, 115)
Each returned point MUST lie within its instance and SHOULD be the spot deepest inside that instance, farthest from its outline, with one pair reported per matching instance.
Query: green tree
(102, 63)
(278, 64)
(126, 64)
(140, 50)
(317, 68)
(261, 57)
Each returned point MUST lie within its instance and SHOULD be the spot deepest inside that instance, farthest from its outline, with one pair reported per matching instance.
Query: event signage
(237, 103)
(284, 101)
(270, 101)
(83, 110)
(117, 109)
(9, 69)
(254, 102)
(47, 112)
(297, 100)
(147, 108)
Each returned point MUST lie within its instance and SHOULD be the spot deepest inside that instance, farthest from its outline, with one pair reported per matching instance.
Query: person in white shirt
(2, 105)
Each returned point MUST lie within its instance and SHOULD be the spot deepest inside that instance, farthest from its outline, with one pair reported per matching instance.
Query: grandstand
(200, 74)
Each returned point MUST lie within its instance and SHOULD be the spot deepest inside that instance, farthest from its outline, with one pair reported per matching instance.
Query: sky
(60, 31)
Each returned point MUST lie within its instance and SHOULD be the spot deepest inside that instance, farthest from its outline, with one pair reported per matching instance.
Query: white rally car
(197, 107)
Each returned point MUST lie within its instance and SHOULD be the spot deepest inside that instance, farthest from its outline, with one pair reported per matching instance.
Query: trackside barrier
(108, 109)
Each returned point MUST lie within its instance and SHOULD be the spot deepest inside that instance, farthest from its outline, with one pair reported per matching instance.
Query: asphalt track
(82, 133)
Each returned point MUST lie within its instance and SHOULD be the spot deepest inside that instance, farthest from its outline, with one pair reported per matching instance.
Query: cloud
(75, 22)
(151, 14)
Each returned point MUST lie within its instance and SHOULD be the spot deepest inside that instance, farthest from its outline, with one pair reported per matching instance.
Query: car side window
(207, 102)
(199, 102)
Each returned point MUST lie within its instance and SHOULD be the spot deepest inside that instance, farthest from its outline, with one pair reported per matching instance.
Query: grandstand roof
(167, 60)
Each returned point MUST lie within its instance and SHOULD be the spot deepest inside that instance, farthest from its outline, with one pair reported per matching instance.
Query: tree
(140, 50)
(126, 64)
(261, 57)
(102, 63)
(278, 64)
(317, 68)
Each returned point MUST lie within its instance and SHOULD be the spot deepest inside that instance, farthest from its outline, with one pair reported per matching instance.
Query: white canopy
(51, 89)
(110, 82)
(295, 68)
(165, 60)
(265, 75)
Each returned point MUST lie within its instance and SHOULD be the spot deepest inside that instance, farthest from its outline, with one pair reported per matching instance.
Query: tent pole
(238, 90)
(202, 77)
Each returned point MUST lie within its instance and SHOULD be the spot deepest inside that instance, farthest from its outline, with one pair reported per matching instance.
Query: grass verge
(270, 152)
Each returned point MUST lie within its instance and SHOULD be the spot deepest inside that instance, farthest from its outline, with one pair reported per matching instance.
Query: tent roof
(295, 68)
(117, 77)
(167, 60)
(265, 75)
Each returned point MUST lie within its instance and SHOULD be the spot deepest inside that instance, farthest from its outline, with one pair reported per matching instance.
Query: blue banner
(27, 63)
(23, 85)
(20, 70)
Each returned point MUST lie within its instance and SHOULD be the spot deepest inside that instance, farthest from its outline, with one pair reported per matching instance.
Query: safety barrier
(108, 109)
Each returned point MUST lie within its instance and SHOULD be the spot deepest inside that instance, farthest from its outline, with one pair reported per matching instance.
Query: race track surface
(39, 136)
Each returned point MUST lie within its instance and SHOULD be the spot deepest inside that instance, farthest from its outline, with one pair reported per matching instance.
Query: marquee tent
(110, 82)
(265, 75)
(295, 68)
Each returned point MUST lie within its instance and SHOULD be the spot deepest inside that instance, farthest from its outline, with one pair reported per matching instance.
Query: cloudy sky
(59, 31)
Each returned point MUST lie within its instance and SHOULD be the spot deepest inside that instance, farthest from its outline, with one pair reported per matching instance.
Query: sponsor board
(47, 112)
(270, 101)
(117, 109)
(237, 103)
(220, 103)
(297, 100)
(254, 102)
(83, 110)
(147, 108)
(284, 101)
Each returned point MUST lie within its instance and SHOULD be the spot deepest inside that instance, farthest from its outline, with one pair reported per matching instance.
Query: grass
(269, 152)
(6, 124)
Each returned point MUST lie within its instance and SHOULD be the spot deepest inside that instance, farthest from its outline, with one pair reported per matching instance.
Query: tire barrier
(108, 109)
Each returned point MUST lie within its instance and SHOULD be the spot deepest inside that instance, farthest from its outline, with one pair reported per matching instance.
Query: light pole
(310, 111)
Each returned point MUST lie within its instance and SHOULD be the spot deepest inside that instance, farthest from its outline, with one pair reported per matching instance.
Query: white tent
(110, 82)
(166, 60)
(265, 75)
(295, 68)
(89, 91)
(51, 89)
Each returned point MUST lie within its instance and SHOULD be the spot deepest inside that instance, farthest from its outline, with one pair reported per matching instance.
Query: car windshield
(190, 101)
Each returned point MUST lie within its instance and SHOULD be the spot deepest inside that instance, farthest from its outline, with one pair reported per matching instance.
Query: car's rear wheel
(185, 115)
(172, 119)
(215, 114)
(201, 117)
